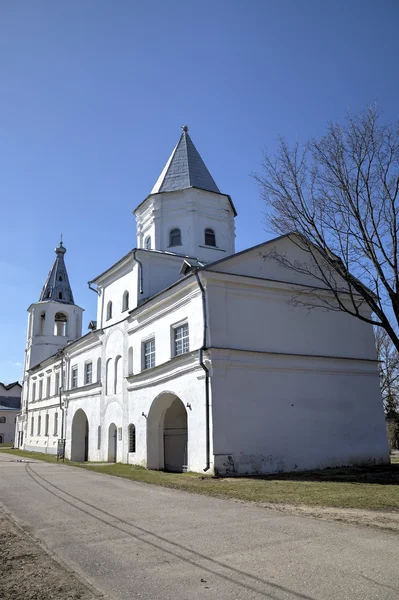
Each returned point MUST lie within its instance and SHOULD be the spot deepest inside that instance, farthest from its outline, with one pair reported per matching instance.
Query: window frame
(173, 232)
(144, 354)
(40, 396)
(3, 420)
(125, 300)
(55, 428)
(74, 371)
(87, 364)
(39, 425)
(32, 426)
(109, 310)
(48, 386)
(46, 424)
(210, 231)
(175, 328)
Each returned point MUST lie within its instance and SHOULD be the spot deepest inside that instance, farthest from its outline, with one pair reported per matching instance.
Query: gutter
(207, 374)
(140, 264)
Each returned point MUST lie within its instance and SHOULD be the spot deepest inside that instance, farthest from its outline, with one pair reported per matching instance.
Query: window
(175, 237)
(99, 437)
(210, 238)
(149, 354)
(181, 339)
(147, 243)
(108, 386)
(130, 361)
(59, 295)
(48, 383)
(88, 373)
(56, 424)
(74, 377)
(119, 434)
(125, 301)
(34, 392)
(3, 420)
(60, 324)
(47, 421)
(132, 438)
(57, 383)
(98, 369)
(42, 322)
(39, 424)
(60, 277)
(109, 310)
(118, 375)
(40, 389)
(32, 425)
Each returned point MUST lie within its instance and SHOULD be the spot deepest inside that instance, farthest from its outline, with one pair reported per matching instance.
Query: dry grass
(372, 488)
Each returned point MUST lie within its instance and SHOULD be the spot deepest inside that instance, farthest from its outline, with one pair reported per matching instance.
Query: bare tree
(389, 372)
(337, 198)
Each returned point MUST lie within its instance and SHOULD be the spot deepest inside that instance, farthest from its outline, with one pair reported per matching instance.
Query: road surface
(133, 540)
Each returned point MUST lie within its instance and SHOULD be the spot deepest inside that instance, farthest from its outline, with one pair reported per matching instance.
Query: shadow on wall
(379, 474)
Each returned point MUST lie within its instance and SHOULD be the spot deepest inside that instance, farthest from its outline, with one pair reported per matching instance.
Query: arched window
(98, 369)
(130, 361)
(147, 243)
(210, 237)
(108, 372)
(175, 237)
(99, 437)
(59, 295)
(60, 324)
(109, 310)
(132, 438)
(118, 375)
(42, 322)
(3, 420)
(60, 277)
(125, 301)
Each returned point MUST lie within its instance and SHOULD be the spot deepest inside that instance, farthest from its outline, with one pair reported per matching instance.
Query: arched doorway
(167, 434)
(80, 437)
(112, 443)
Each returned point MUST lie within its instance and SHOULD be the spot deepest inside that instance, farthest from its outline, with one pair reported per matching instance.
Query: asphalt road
(132, 540)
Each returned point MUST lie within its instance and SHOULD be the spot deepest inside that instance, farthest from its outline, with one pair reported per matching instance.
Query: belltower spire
(57, 286)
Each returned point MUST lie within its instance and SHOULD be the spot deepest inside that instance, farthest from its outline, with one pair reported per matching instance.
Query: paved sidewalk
(132, 540)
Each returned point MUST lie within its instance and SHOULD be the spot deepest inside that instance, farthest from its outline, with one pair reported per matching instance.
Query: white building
(198, 360)
(10, 406)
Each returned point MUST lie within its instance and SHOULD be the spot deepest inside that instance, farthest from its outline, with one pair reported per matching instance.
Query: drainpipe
(140, 264)
(206, 370)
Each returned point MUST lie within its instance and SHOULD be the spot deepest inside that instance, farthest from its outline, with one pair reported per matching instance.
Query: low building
(198, 359)
(10, 406)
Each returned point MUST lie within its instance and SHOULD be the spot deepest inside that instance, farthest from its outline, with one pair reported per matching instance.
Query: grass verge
(368, 488)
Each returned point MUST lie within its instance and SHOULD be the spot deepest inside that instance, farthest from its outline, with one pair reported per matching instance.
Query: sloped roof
(7, 403)
(184, 169)
(57, 286)
(8, 386)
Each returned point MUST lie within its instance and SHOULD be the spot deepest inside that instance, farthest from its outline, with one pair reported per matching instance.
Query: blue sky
(93, 95)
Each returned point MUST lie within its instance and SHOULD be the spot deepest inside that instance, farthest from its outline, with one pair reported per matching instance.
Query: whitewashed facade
(199, 360)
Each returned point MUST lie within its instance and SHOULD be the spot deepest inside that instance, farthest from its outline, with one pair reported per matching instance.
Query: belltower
(55, 319)
(186, 213)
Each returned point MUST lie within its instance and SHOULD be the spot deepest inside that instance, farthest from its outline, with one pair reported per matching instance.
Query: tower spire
(57, 286)
(185, 169)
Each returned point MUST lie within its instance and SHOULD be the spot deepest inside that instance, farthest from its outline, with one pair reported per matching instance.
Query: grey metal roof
(7, 403)
(184, 169)
(57, 286)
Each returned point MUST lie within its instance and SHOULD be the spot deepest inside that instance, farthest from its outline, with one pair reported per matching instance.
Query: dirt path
(27, 572)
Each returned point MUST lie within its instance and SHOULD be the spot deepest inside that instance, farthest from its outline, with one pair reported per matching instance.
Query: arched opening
(210, 237)
(118, 375)
(147, 243)
(80, 437)
(125, 301)
(112, 443)
(108, 372)
(60, 324)
(175, 237)
(109, 310)
(167, 434)
(59, 295)
(130, 361)
(42, 322)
